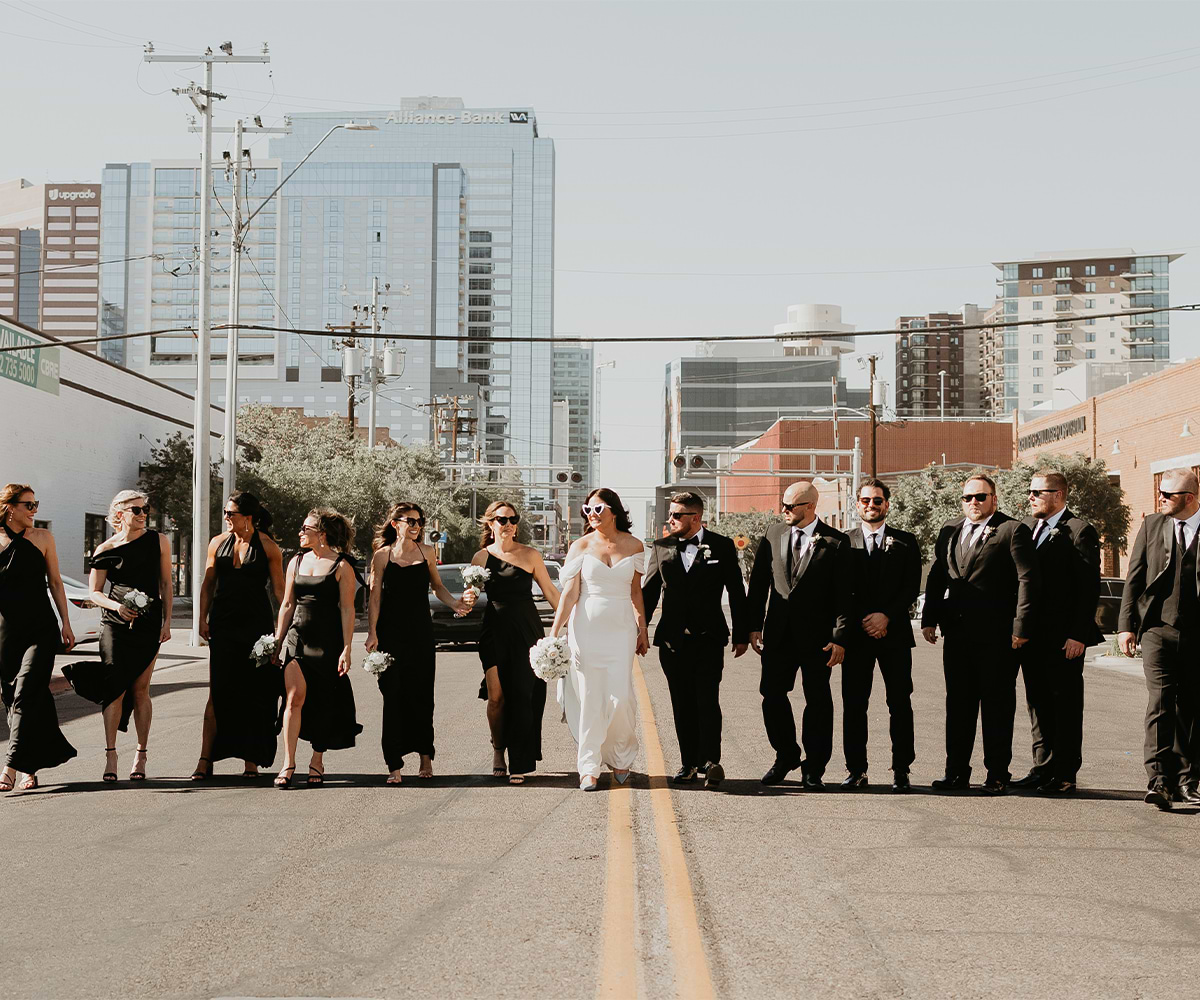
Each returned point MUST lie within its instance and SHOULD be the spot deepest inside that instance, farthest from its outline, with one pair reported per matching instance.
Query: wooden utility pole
(351, 380)
(874, 419)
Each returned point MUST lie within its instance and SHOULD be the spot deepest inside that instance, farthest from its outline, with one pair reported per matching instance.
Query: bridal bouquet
(475, 577)
(377, 662)
(135, 601)
(550, 658)
(264, 650)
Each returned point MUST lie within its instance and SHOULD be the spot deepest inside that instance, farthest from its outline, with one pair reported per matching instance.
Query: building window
(1089, 269)
(1037, 387)
(1037, 338)
(1037, 272)
(1037, 373)
(1062, 288)
(1089, 286)
(1089, 354)
(1062, 305)
(1089, 303)
(94, 526)
(1062, 272)
(1037, 289)
(1037, 305)
(1037, 355)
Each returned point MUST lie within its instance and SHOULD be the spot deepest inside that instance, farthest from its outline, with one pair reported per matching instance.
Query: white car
(84, 615)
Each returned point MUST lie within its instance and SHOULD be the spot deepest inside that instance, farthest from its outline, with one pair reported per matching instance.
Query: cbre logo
(518, 117)
(56, 195)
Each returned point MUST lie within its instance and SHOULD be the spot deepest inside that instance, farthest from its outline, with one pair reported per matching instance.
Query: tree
(753, 524)
(167, 482)
(924, 501)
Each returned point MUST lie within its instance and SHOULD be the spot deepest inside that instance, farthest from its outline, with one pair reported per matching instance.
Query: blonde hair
(120, 499)
(8, 497)
(486, 536)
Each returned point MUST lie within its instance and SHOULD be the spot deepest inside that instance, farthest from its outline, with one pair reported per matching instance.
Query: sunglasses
(1038, 493)
(29, 505)
(679, 515)
(872, 501)
(136, 511)
(1162, 493)
(596, 509)
(977, 497)
(229, 515)
(309, 527)
(515, 519)
(790, 506)
(412, 522)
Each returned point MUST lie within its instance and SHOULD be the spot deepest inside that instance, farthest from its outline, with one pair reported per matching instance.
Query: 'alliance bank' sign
(457, 118)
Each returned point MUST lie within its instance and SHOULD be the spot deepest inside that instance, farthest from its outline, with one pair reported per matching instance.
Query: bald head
(800, 503)
(1177, 493)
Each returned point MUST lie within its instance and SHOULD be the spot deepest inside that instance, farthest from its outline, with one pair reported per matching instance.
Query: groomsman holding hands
(982, 591)
(1160, 607)
(887, 580)
(1068, 559)
(800, 599)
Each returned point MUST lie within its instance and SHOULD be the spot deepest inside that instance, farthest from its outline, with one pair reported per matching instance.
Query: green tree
(167, 481)
(751, 523)
(924, 501)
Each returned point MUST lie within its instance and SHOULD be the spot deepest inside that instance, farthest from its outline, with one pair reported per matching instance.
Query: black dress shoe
(1159, 794)
(1057, 786)
(1034, 779)
(900, 782)
(779, 771)
(995, 785)
(855, 779)
(951, 783)
(684, 776)
(813, 783)
(1188, 793)
(714, 774)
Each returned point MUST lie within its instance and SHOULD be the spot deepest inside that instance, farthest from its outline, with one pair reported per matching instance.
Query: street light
(239, 228)
(596, 435)
(941, 394)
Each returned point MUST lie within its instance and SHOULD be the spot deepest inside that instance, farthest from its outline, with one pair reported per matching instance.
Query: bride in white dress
(601, 605)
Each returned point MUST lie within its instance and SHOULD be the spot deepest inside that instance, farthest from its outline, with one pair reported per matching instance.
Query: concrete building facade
(573, 383)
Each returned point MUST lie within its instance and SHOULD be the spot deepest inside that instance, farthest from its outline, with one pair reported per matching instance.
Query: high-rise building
(574, 382)
(733, 391)
(937, 369)
(452, 207)
(49, 250)
(1072, 290)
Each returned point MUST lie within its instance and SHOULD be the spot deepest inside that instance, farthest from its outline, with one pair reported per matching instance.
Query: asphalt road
(462, 887)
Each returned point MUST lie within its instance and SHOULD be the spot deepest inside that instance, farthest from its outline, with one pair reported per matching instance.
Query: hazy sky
(732, 156)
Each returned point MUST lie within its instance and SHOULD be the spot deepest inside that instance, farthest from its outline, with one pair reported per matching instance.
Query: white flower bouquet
(264, 650)
(475, 577)
(377, 662)
(136, 601)
(550, 658)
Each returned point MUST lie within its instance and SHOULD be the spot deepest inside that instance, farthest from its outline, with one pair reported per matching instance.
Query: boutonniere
(988, 532)
(704, 552)
(887, 543)
(1053, 534)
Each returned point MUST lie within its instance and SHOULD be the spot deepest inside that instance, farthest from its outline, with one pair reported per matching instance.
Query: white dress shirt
(1190, 527)
(688, 555)
(1050, 523)
(805, 537)
(872, 543)
(977, 527)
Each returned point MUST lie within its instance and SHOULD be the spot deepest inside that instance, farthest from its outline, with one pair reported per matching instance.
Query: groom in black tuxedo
(690, 568)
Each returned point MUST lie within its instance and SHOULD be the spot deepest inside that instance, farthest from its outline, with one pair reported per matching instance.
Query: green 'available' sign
(24, 359)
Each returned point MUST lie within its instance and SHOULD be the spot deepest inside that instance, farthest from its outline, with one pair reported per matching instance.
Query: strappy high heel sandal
(109, 776)
(315, 777)
(6, 783)
(285, 782)
(135, 774)
(203, 773)
(30, 783)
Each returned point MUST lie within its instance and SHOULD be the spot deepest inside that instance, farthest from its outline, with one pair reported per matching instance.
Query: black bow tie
(683, 544)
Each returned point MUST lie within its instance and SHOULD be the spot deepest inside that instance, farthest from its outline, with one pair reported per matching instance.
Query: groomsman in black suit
(1161, 607)
(801, 596)
(887, 580)
(982, 591)
(1068, 559)
(690, 569)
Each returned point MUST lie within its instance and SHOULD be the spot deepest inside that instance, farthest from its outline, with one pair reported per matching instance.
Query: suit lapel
(981, 539)
(780, 536)
(952, 550)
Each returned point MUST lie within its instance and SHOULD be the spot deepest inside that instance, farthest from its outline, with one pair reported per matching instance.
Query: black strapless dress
(327, 720)
(405, 630)
(126, 649)
(246, 699)
(511, 625)
(29, 639)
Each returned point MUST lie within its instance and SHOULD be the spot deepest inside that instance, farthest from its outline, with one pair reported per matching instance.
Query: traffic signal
(435, 537)
(678, 461)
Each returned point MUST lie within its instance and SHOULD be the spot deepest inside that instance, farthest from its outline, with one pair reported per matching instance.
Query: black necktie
(964, 546)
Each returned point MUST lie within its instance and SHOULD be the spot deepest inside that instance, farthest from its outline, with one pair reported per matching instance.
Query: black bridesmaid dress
(327, 720)
(511, 625)
(246, 698)
(126, 648)
(405, 630)
(29, 639)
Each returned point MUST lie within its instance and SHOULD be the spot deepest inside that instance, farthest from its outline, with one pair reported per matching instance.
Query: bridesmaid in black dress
(29, 638)
(316, 626)
(241, 719)
(134, 558)
(399, 623)
(516, 697)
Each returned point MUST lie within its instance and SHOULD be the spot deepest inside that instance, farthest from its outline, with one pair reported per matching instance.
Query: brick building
(937, 369)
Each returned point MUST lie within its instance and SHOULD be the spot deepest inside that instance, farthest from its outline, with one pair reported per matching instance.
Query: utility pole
(372, 371)
(874, 418)
(833, 386)
(942, 394)
(229, 466)
(203, 99)
(351, 376)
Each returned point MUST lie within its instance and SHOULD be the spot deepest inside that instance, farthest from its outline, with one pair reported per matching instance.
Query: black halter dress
(405, 630)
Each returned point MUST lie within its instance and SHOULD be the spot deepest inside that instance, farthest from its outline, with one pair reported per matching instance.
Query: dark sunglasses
(679, 515)
(979, 497)
(136, 511)
(29, 505)
(229, 515)
(789, 506)
(872, 501)
(310, 527)
(502, 520)
(1167, 496)
(412, 522)
(1038, 493)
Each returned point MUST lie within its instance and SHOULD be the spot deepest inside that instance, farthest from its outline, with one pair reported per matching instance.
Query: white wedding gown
(597, 694)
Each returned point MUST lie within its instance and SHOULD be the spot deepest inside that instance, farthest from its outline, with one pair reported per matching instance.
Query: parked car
(1109, 608)
(84, 615)
(449, 630)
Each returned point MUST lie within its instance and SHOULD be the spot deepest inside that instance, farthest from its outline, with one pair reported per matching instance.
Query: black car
(1108, 610)
(449, 630)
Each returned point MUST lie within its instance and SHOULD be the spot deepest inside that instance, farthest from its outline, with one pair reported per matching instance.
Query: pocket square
(713, 562)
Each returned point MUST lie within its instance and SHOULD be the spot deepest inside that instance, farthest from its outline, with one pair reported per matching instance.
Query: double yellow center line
(618, 962)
